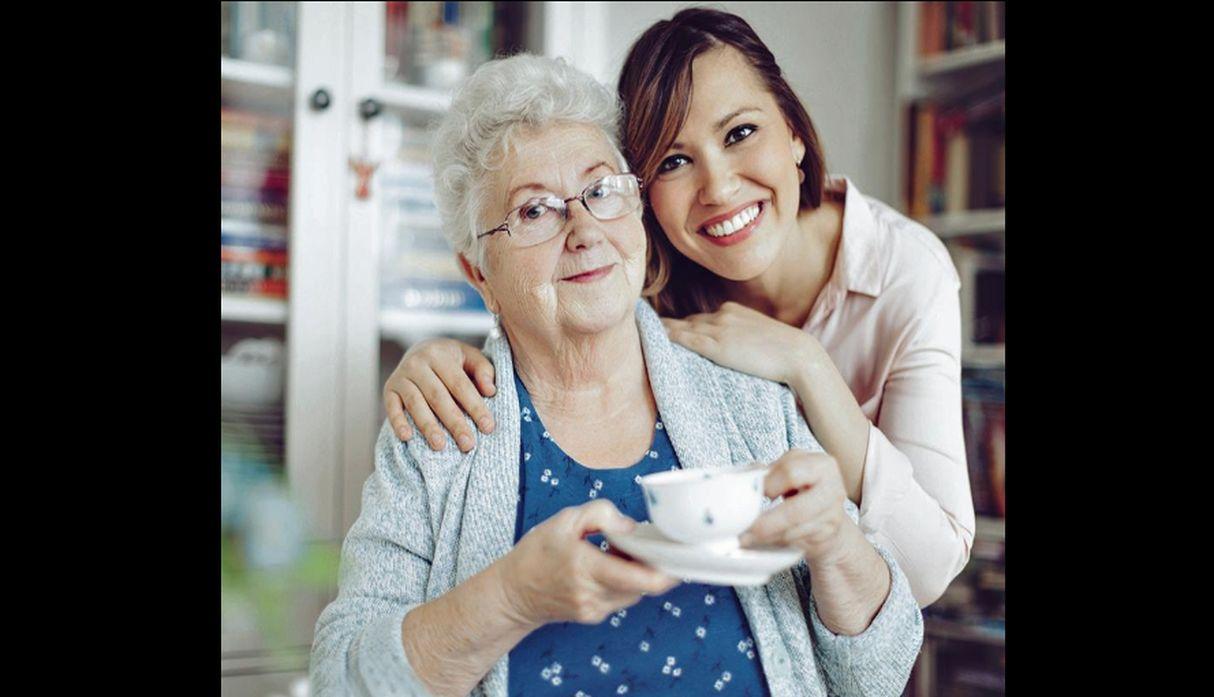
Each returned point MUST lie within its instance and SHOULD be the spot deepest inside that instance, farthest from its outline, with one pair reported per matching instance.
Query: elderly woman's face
(588, 277)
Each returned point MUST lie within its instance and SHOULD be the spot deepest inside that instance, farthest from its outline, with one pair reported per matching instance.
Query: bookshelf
(950, 62)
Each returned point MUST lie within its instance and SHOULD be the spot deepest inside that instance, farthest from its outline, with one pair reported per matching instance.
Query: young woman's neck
(788, 289)
(584, 377)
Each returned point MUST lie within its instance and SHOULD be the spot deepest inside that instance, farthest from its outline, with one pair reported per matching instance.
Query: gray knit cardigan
(431, 520)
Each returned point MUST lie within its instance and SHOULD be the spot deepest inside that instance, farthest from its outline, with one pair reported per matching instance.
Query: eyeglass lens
(607, 199)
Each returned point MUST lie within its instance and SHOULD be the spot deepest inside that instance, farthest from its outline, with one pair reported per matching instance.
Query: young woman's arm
(749, 341)
(907, 470)
(428, 382)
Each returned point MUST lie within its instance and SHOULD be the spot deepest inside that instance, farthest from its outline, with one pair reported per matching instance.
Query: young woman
(763, 263)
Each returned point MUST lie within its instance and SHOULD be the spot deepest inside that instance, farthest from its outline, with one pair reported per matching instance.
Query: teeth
(739, 221)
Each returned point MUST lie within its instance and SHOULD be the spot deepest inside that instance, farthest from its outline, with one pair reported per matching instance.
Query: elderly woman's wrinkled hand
(811, 516)
(433, 375)
(553, 575)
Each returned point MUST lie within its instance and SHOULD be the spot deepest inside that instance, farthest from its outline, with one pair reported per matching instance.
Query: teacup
(705, 507)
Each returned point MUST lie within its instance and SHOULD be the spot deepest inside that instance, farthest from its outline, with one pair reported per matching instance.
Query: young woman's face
(727, 193)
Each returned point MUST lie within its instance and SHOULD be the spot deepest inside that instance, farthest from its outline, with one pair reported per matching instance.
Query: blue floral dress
(694, 640)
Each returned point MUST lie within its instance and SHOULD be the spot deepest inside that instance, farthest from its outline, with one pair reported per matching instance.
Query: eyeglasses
(540, 219)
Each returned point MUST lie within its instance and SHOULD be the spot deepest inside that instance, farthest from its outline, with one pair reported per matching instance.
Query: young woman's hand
(553, 575)
(746, 340)
(811, 517)
(432, 376)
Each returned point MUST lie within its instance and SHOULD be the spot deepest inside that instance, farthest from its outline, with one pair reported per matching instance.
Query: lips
(734, 227)
(591, 275)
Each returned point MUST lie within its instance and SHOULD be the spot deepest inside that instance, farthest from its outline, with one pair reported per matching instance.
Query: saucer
(704, 564)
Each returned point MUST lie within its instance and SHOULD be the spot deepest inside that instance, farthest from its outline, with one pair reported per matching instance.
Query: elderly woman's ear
(477, 279)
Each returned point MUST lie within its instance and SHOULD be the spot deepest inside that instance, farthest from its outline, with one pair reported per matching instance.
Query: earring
(496, 331)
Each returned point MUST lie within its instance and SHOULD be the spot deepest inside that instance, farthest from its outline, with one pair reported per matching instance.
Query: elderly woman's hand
(811, 516)
(553, 575)
(430, 379)
(850, 580)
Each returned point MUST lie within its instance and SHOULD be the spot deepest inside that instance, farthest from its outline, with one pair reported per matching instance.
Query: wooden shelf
(235, 308)
(979, 222)
(962, 59)
(404, 326)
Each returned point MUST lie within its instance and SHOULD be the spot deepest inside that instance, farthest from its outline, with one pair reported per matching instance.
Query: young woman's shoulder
(916, 261)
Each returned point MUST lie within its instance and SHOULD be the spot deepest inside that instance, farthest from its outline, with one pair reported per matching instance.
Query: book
(957, 175)
(256, 255)
(962, 30)
(255, 159)
(240, 176)
(265, 288)
(950, 26)
(243, 138)
(235, 118)
(266, 243)
(983, 419)
(924, 158)
(955, 152)
(255, 211)
(261, 194)
(430, 294)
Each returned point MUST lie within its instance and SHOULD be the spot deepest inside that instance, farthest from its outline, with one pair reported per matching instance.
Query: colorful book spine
(258, 211)
(256, 255)
(950, 26)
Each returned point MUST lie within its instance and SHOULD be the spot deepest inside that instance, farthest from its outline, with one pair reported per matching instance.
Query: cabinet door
(317, 313)
(281, 312)
(404, 283)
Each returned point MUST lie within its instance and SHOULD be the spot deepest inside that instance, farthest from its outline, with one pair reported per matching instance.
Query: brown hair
(655, 90)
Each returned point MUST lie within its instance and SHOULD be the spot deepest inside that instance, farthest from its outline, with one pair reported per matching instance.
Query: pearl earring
(496, 331)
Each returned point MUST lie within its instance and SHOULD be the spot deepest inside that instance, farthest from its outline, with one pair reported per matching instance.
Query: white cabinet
(339, 280)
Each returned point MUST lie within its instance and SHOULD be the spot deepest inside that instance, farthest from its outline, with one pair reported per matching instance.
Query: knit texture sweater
(430, 520)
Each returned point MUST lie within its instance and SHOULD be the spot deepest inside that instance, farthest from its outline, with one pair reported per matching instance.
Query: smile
(734, 228)
(589, 276)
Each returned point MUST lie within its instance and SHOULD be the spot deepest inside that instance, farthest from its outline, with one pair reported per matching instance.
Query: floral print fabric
(694, 640)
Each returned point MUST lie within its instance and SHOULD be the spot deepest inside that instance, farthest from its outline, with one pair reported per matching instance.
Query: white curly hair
(474, 137)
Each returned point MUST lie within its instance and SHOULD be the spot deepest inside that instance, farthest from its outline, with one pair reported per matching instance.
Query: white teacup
(705, 507)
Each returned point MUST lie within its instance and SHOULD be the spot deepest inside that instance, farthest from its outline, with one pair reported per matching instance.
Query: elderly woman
(473, 571)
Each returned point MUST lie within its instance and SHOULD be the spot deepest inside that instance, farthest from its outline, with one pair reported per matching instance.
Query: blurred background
(333, 263)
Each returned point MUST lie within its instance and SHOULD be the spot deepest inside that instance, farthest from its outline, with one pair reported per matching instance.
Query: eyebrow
(720, 124)
(541, 187)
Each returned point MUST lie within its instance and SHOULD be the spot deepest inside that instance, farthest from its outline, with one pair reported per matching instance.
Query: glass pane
(418, 268)
(264, 530)
(258, 32)
(436, 44)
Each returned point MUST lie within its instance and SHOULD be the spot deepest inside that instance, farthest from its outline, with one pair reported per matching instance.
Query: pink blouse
(890, 319)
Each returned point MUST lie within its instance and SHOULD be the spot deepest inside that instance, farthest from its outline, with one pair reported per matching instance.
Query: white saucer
(735, 567)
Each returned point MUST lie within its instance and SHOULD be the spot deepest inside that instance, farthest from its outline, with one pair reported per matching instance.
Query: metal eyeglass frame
(580, 197)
